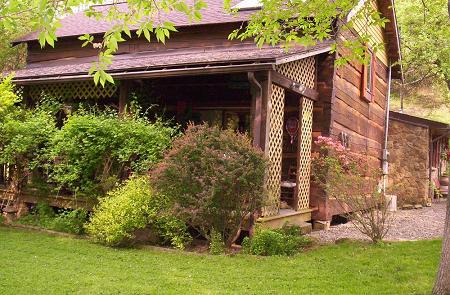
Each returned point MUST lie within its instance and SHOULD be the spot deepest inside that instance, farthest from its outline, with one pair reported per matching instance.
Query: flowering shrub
(214, 177)
(348, 178)
(335, 158)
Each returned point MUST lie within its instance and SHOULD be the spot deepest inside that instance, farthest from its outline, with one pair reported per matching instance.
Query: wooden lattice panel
(301, 71)
(72, 90)
(304, 160)
(275, 150)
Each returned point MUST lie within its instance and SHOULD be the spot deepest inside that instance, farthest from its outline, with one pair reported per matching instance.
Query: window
(248, 5)
(368, 76)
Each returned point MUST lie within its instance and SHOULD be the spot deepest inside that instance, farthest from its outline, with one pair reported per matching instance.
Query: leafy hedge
(92, 152)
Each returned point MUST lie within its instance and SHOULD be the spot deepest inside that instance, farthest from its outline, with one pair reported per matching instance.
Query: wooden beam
(296, 87)
(266, 84)
(256, 91)
(156, 73)
(123, 96)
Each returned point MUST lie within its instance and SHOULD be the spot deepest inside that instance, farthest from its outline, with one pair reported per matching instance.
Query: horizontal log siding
(376, 33)
(191, 37)
(364, 121)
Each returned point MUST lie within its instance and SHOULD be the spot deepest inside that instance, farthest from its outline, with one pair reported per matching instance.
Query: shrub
(354, 183)
(44, 210)
(130, 207)
(214, 177)
(217, 245)
(69, 221)
(8, 97)
(93, 151)
(25, 135)
(267, 242)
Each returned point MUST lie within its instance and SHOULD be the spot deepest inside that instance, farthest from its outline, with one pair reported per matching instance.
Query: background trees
(425, 38)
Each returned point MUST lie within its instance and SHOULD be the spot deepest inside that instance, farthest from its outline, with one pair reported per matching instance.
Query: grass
(37, 263)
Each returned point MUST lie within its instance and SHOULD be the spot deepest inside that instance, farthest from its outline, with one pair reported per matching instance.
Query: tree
(425, 32)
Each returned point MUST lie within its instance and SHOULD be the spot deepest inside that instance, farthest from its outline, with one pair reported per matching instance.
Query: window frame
(368, 81)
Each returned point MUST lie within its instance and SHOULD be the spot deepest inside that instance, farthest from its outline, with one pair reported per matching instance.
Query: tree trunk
(442, 285)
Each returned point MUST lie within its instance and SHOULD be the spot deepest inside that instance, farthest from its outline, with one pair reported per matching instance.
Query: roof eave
(143, 74)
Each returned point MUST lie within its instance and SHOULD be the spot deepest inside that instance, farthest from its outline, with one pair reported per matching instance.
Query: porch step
(287, 216)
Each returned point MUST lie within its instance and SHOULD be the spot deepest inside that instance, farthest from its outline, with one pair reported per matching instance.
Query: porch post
(268, 119)
(304, 153)
(256, 109)
(303, 72)
(123, 96)
(274, 144)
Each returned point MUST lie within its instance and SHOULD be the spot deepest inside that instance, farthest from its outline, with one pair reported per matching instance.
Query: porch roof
(136, 65)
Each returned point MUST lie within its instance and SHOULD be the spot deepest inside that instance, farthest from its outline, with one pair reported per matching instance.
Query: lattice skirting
(304, 160)
(275, 150)
(72, 90)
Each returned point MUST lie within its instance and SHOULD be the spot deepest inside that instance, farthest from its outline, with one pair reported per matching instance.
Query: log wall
(343, 109)
(189, 37)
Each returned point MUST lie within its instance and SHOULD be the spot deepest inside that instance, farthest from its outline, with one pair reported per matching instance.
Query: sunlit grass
(37, 263)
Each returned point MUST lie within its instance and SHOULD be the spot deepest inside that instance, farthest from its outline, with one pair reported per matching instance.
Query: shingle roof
(78, 23)
(245, 53)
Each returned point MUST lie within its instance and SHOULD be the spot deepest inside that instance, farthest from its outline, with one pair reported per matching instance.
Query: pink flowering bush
(348, 178)
(335, 159)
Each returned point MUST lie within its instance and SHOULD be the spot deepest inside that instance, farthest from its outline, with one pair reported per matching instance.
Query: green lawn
(37, 263)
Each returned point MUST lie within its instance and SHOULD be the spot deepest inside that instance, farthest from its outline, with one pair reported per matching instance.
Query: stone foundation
(408, 147)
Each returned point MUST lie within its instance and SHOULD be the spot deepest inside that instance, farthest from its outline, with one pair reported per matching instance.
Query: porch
(273, 103)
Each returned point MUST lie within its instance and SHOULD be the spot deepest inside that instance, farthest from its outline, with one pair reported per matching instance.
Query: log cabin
(283, 99)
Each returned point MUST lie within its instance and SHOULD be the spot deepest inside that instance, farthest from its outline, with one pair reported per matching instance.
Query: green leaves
(307, 23)
(87, 38)
(425, 41)
(95, 149)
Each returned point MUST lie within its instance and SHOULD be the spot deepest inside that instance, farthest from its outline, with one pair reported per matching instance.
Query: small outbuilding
(415, 145)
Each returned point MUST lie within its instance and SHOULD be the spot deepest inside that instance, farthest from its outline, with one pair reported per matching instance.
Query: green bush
(8, 97)
(217, 246)
(93, 151)
(214, 177)
(268, 242)
(69, 221)
(25, 136)
(130, 207)
(44, 210)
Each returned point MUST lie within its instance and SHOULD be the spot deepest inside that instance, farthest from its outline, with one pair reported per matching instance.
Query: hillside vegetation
(425, 40)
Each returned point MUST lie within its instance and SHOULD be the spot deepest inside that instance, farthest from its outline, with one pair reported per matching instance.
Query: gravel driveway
(407, 225)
